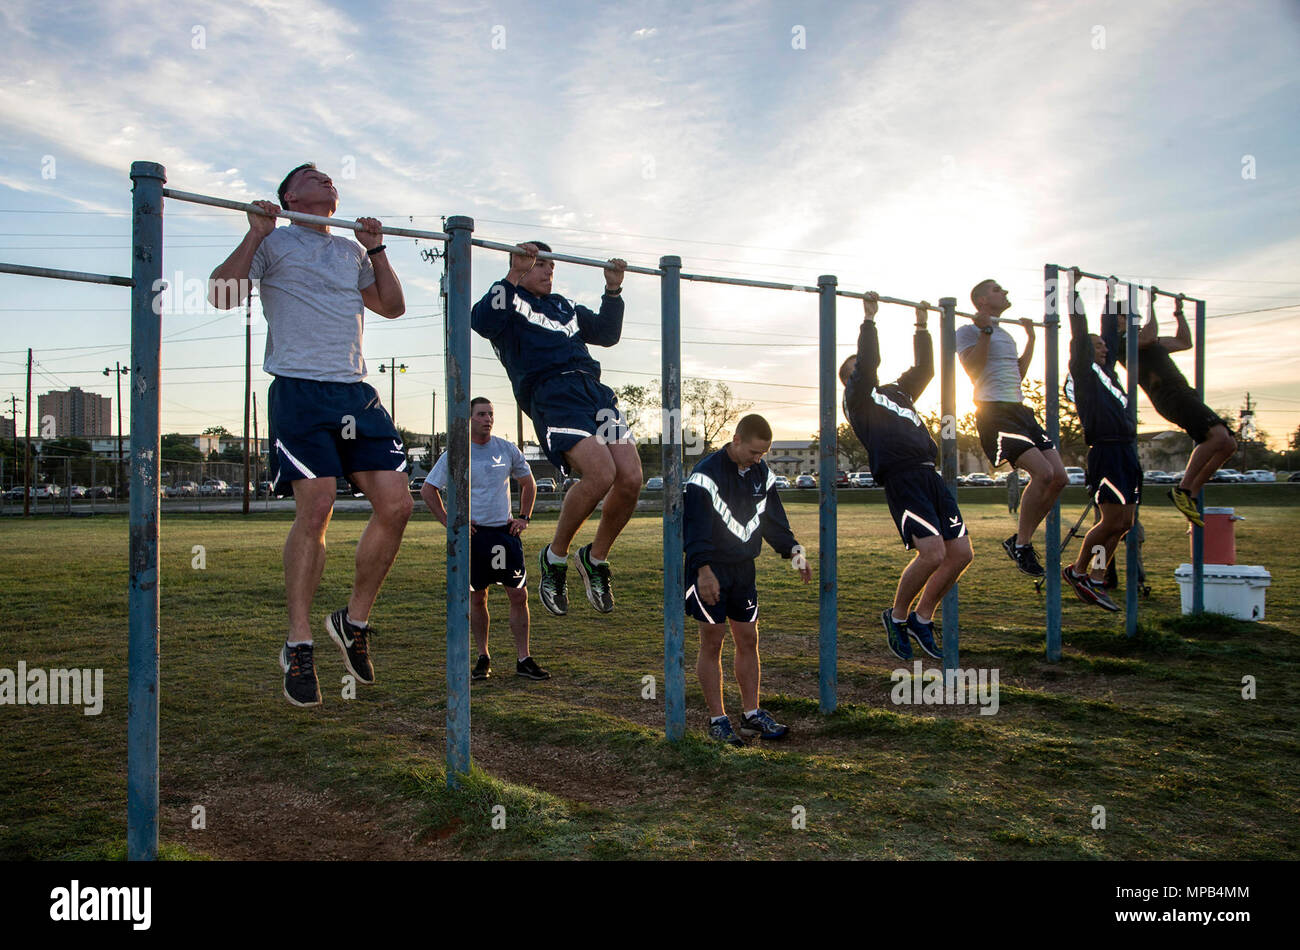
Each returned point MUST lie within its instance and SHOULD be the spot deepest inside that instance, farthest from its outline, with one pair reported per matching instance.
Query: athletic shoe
(923, 633)
(1083, 586)
(596, 579)
(528, 667)
(482, 669)
(896, 636)
(300, 685)
(1103, 599)
(1026, 557)
(1185, 503)
(551, 589)
(720, 731)
(354, 641)
(762, 724)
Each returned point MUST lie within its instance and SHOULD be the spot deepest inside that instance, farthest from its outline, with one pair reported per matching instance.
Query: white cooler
(1233, 589)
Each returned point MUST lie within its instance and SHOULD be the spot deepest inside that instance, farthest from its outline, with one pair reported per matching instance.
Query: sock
(524, 657)
(751, 712)
(595, 561)
(554, 558)
(713, 719)
(923, 620)
(896, 619)
(297, 643)
(361, 625)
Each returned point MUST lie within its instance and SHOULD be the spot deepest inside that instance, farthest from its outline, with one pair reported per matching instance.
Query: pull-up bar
(65, 275)
(1108, 278)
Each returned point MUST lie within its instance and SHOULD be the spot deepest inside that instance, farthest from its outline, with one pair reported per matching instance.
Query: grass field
(1154, 729)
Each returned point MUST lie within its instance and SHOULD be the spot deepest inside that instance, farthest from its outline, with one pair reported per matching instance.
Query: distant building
(6, 427)
(76, 414)
(797, 456)
(1167, 451)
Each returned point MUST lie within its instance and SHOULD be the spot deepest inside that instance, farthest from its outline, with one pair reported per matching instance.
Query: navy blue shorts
(737, 597)
(495, 557)
(570, 407)
(922, 506)
(1008, 430)
(1190, 414)
(1114, 473)
(324, 430)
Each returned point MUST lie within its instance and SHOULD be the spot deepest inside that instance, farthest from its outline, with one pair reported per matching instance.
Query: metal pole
(457, 496)
(248, 388)
(1052, 526)
(948, 456)
(1198, 534)
(1132, 570)
(76, 275)
(142, 653)
(27, 444)
(671, 442)
(257, 455)
(117, 469)
(828, 601)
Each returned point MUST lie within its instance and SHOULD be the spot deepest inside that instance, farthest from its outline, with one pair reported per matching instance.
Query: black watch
(524, 517)
(987, 331)
(378, 248)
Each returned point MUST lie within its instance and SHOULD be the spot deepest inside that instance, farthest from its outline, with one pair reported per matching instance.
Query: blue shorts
(922, 506)
(571, 407)
(324, 430)
(737, 598)
(495, 557)
(1114, 473)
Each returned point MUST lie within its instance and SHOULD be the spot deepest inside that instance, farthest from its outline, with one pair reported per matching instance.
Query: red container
(1220, 536)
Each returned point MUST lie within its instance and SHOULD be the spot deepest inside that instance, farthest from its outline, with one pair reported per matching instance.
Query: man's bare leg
(593, 459)
(708, 666)
(620, 501)
(304, 551)
(929, 555)
(1046, 480)
(519, 620)
(390, 498)
(479, 620)
(958, 554)
(1218, 447)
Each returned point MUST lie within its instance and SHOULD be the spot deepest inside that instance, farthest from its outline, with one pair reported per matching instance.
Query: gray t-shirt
(490, 468)
(311, 287)
(1000, 379)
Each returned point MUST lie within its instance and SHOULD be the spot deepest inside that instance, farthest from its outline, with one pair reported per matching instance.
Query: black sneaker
(762, 724)
(300, 685)
(551, 589)
(1083, 586)
(896, 635)
(482, 669)
(528, 667)
(1026, 557)
(1103, 599)
(354, 641)
(721, 731)
(596, 579)
(924, 634)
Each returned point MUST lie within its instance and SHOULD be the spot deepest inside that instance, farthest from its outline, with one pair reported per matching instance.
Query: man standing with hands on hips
(325, 421)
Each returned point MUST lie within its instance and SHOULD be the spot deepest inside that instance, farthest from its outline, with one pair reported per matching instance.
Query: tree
(180, 448)
(637, 403)
(712, 407)
(1070, 444)
(216, 430)
(851, 448)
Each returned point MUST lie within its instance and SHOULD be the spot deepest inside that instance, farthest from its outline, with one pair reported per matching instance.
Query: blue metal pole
(142, 597)
(828, 602)
(1052, 387)
(1132, 570)
(671, 444)
(458, 381)
(948, 454)
(1198, 534)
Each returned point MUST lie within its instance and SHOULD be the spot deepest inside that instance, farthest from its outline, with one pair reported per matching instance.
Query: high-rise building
(6, 427)
(76, 414)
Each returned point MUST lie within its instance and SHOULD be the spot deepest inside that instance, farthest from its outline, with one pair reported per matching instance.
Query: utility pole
(119, 371)
(248, 385)
(257, 444)
(13, 403)
(27, 444)
(433, 255)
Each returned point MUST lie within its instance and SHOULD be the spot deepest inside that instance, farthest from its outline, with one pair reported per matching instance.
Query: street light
(119, 372)
(393, 367)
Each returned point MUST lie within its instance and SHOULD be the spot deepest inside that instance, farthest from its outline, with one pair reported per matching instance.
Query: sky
(913, 148)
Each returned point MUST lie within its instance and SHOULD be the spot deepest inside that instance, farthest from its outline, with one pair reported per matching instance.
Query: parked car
(841, 479)
(214, 486)
(417, 484)
(47, 491)
(1260, 475)
(979, 479)
(861, 479)
(1294, 477)
(102, 491)
(181, 489)
(1227, 475)
(344, 487)
(546, 484)
(76, 491)
(16, 493)
(570, 482)
(783, 482)
(1076, 475)
(805, 481)
(655, 484)
(1155, 477)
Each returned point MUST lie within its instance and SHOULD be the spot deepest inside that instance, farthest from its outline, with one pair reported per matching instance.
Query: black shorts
(1114, 473)
(737, 598)
(571, 407)
(1191, 415)
(922, 506)
(1008, 430)
(495, 557)
(324, 430)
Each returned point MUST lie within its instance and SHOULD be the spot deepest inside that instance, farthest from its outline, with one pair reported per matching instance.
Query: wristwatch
(987, 331)
(524, 517)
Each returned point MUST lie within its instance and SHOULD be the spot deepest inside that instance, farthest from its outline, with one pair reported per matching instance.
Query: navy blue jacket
(885, 417)
(539, 337)
(1100, 397)
(728, 514)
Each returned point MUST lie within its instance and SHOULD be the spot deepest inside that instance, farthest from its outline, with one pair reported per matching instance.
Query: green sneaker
(596, 579)
(896, 635)
(551, 589)
(1186, 504)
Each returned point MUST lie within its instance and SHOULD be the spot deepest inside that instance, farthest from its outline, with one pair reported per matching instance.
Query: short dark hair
(542, 246)
(753, 426)
(845, 371)
(476, 400)
(284, 185)
(978, 289)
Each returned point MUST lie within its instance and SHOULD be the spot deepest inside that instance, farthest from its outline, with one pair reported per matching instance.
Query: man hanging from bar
(732, 504)
(1007, 428)
(325, 421)
(902, 455)
(1176, 400)
(541, 339)
(1110, 431)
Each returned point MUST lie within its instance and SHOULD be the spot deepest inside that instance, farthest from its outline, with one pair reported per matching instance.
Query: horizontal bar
(862, 295)
(66, 275)
(566, 258)
(297, 215)
(743, 282)
(1154, 290)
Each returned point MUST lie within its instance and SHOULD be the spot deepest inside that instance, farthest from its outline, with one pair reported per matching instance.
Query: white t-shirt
(999, 381)
(490, 468)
